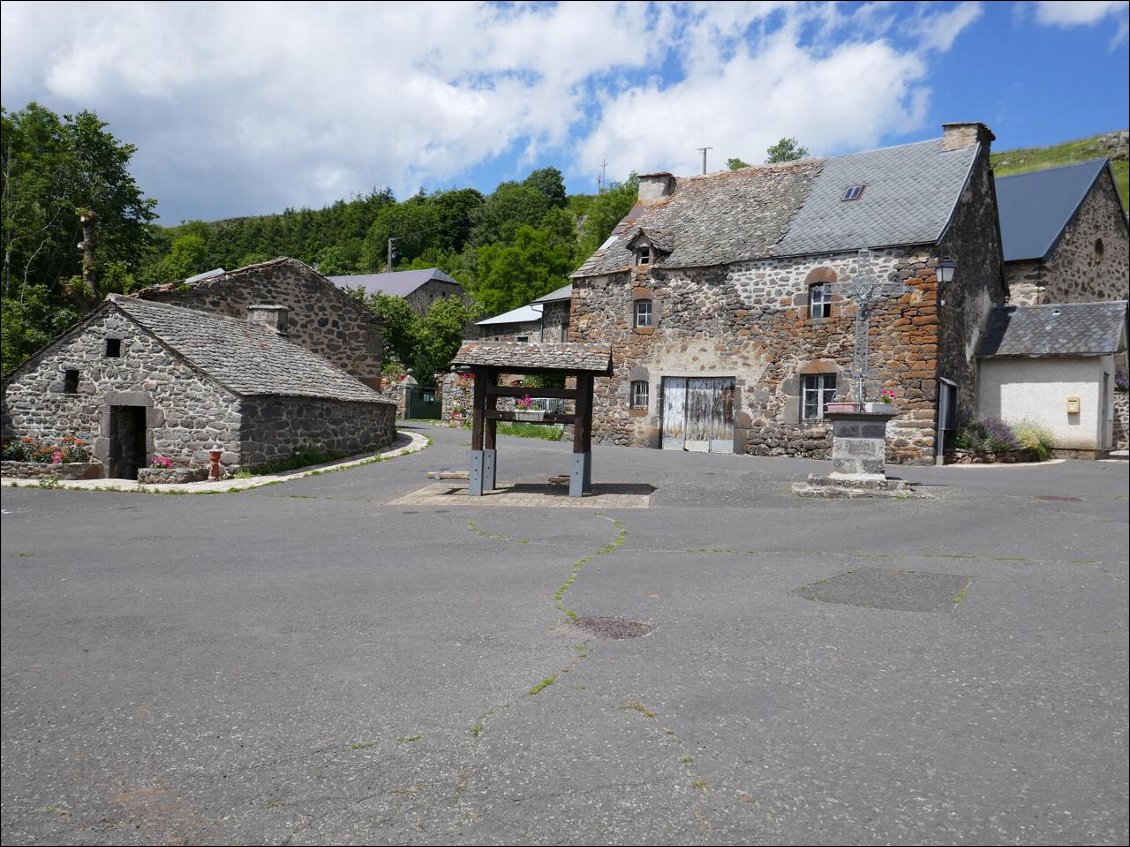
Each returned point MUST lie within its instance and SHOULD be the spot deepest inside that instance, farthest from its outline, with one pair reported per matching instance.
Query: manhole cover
(616, 628)
(880, 588)
(1060, 497)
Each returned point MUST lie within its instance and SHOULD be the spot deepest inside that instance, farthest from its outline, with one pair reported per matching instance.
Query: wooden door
(698, 414)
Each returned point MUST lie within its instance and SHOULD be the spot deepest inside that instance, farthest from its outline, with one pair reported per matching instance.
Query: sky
(250, 108)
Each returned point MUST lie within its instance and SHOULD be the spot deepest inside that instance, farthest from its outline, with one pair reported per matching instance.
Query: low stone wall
(42, 470)
(276, 427)
(1121, 428)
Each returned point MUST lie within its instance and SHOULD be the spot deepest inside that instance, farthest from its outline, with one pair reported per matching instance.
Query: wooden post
(478, 409)
(580, 477)
(490, 432)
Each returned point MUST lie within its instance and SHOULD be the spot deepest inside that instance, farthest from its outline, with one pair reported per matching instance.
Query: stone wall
(555, 321)
(322, 318)
(434, 289)
(456, 390)
(185, 413)
(1091, 262)
(275, 427)
(750, 321)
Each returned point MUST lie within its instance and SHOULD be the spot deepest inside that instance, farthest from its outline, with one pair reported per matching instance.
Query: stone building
(1055, 365)
(139, 379)
(322, 318)
(544, 320)
(1064, 235)
(419, 288)
(730, 298)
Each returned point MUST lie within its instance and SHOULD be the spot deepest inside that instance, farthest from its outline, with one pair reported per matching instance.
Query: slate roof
(909, 195)
(795, 209)
(1036, 207)
(245, 357)
(565, 292)
(397, 283)
(1064, 329)
(712, 219)
(584, 357)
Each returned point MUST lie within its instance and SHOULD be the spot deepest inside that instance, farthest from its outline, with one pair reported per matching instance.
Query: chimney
(654, 187)
(958, 135)
(271, 316)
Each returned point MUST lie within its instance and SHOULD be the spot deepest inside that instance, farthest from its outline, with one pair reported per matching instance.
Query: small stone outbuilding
(138, 379)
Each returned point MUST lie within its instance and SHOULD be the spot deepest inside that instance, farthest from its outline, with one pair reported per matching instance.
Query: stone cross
(865, 289)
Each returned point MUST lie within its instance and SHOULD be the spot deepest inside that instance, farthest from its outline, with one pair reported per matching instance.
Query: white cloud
(1078, 12)
(246, 108)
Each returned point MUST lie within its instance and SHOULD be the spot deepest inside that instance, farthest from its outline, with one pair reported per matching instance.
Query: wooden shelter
(487, 360)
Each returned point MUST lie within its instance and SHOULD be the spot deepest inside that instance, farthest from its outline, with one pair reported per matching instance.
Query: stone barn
(140, 379)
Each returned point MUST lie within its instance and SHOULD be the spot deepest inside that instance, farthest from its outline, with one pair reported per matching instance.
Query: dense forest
(507, 248)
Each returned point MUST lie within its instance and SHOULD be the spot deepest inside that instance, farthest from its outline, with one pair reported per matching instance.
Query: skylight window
(853, 192)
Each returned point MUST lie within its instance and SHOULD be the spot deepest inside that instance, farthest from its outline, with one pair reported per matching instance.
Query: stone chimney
(271, 316)
(956, 136)
(654, 187)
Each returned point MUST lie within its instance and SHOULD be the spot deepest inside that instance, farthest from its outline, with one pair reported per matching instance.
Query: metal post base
(482, 472)
(580, 476)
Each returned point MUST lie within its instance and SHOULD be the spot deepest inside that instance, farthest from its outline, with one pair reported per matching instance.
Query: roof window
(853, 192)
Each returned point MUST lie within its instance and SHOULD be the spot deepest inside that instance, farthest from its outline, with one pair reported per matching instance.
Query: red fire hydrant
(214, 454)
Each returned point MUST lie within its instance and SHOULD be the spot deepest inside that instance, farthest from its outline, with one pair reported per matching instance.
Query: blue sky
(249, 108)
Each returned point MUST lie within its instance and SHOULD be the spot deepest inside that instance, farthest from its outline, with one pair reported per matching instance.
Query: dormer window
(643, 255)
(853, 192)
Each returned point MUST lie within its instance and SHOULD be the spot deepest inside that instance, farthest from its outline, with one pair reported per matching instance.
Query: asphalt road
(307, 663)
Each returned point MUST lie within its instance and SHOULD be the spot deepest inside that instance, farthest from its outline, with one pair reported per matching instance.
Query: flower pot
(842, 407)
(879, 408)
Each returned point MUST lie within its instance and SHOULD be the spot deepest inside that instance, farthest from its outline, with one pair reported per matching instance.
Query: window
(853, 192)
(819, 389)
(523, 339)
(642, 312)
(639, 394)
(70, 381)
(643, 255)
(820, 300)
(113, 348)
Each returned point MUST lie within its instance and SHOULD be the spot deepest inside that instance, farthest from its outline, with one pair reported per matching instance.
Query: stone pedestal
(859, 443)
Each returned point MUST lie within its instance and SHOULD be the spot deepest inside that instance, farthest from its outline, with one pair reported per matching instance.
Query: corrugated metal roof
(584, 357)
(522, 314)
(1063, 329)
(397, 283)
(1035, 207)
(243, 356)
(909, 194)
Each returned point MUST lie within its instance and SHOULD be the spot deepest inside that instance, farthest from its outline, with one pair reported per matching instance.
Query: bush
(27, 449)
(987, 435)
(1031, 436)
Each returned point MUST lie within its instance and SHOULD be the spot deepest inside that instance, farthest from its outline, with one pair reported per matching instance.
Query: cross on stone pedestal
(865, 289)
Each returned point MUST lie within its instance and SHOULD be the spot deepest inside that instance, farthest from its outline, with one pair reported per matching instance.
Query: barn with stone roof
(140, 379)
(730, 299)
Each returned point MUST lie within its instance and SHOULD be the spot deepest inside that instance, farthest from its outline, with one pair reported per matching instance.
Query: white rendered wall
(1038, 390)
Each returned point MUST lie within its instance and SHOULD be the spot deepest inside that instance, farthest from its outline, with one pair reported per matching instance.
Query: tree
(549, 182)
(512, 205)
(54, 171)
(511, 275)
(604, 213)
(399, 329)
(736, 164)
(785, 150)
(438, 335)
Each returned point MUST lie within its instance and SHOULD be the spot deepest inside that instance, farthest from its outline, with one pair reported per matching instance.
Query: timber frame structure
(488, 360)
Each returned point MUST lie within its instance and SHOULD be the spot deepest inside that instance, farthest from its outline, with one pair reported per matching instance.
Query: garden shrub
(1031, 436)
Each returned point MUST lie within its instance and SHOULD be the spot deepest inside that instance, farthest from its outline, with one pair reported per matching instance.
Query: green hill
(1108, 145)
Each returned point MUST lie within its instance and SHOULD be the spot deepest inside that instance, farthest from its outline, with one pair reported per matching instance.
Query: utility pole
(87, 218)
(704, 149)
(603, 175)
(391, 253)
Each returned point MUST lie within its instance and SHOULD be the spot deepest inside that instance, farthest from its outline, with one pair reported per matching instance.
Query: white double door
(698, 414)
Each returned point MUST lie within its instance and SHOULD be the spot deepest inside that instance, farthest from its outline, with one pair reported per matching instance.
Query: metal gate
(422, 403)
(698, 414)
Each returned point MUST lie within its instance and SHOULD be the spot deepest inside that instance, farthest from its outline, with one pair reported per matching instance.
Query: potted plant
(884, 405)
(523, 410)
